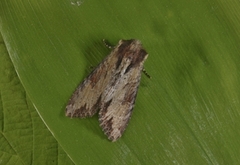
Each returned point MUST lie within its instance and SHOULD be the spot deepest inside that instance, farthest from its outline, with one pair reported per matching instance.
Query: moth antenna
(107, 44)
(145, 72)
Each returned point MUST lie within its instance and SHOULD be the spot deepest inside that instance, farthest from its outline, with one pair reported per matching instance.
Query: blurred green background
(188, 113)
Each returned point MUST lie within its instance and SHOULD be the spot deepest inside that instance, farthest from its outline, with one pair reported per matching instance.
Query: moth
(111, 88)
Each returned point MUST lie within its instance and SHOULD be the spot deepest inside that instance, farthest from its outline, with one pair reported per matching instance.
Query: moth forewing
(111, 87)
(84, 101)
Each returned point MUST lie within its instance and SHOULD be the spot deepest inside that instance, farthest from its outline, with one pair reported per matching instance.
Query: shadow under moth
(111, 88)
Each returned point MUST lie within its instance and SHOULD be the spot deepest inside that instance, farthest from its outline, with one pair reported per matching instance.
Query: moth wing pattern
(112, 88)
(119, 97)
(115, 113)
(84, 101)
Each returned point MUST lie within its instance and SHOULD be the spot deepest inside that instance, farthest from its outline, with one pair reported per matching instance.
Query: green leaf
(24, 137)
(188, 113)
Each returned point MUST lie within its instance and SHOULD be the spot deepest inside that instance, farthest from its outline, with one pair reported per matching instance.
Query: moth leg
(107, 44)
(145, 72)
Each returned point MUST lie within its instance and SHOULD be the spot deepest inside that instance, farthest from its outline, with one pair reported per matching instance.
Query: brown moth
(112, 88)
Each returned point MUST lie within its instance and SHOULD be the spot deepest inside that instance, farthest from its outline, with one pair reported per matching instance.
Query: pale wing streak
(84, 101)
(115, 116)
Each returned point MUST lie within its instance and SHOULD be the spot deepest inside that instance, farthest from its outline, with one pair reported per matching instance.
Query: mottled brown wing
(112, 86)
(85, 100)
(119, 96)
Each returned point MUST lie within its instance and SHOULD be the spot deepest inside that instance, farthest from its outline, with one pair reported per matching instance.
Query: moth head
(133, 50)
